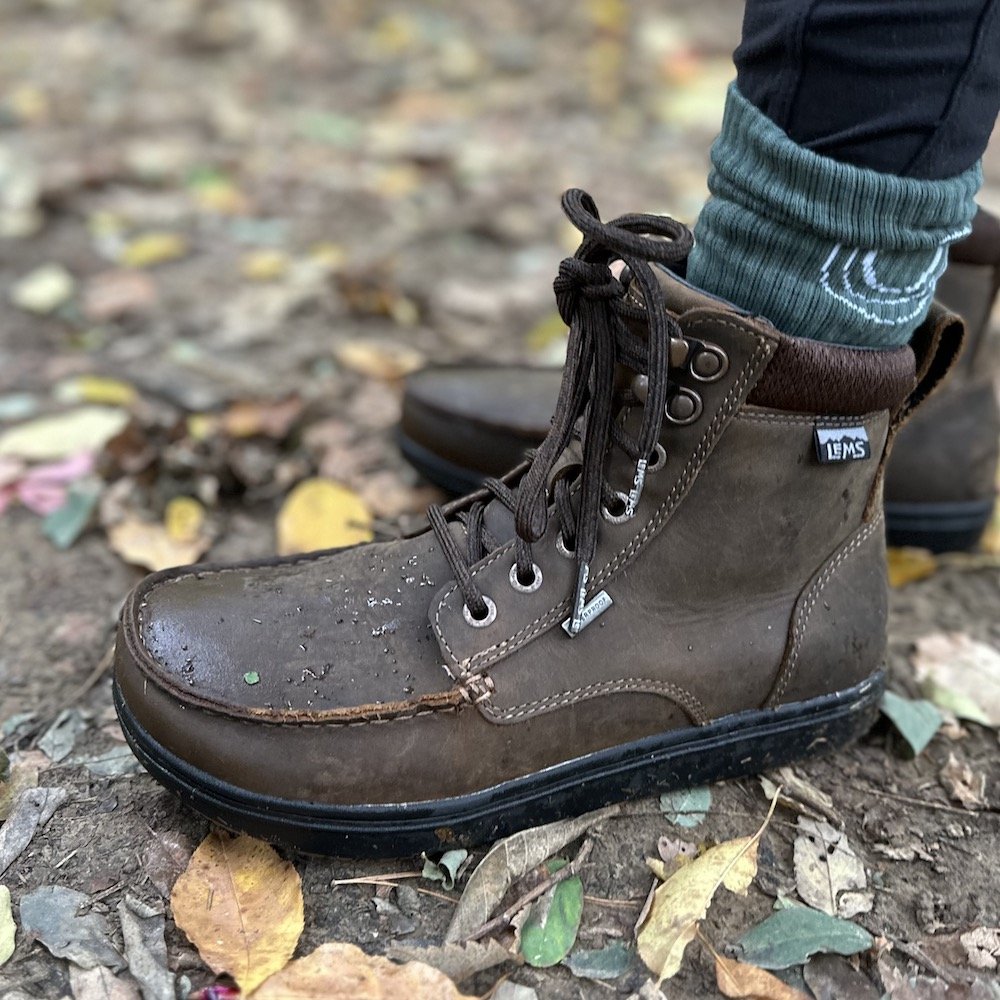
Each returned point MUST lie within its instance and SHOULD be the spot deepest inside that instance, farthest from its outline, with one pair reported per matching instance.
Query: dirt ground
(411, 155)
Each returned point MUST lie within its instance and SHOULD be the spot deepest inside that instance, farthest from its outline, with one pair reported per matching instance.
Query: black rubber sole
(940, 527)
(452, 478)
(745, 743)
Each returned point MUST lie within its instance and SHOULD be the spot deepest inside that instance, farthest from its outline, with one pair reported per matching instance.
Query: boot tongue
(680, 297)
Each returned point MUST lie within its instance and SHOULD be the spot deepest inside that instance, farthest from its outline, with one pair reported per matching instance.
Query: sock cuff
(757, 166)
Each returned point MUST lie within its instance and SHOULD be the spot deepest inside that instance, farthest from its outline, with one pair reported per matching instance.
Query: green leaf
(686, 807)
(916, 721)
(789, 937)
(553, 921)
(957, 702)
(444, 871)
(64, 526)
(609, 962)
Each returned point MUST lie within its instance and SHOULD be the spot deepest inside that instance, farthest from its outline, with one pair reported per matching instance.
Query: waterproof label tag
(842, 444)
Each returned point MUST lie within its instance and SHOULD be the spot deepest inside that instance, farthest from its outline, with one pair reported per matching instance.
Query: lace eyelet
(684, 407)
(623, 516)
(526, 588)
(657, 460)
(491, 614)
(709, 363)
(562, 548)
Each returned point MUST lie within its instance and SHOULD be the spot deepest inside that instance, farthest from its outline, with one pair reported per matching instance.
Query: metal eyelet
(709, 363)
(657, 460)
(562, 549)
(526, 588)
(625, 515)
(686, 405)
(491, 614)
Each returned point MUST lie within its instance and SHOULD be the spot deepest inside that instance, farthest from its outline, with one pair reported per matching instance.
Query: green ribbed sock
(823, 249)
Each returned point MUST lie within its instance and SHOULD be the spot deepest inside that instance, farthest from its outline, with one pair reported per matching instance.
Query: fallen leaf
(799, 794)
(740, 980)
(99, 984)
(84, 429)
(981, 944)
(31, 810)
(264, 265)
(908, 565)
(146, 949)
(344, 972)
(184, 519)
(166, 855)
(148, 544)
(153, 248)
(513, 991)
(794, 934)
(57, 741)
(964, 785)
(24, 770)
(456, 961)
(43, 290)
(98, 389)
(57, 917)
(960, 674)
(116, 293)
(241, 906)
(609, 962)
(322, 514)
(508, 860)
(113, 763)
(830, 977)
(270, 418)
(7, 927)
(682, 901)
(65, 524)
(378, 359)
(670, 850)
(550, 930)
(916, 721)
(686, 807)
(445, 870)
(826, 868)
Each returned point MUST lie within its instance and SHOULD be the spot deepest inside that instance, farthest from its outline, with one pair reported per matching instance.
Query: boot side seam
(483, 658)
(624, 685)
(804, 612)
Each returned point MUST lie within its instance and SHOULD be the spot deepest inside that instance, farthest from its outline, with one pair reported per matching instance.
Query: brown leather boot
(463, 422)
(693, 590)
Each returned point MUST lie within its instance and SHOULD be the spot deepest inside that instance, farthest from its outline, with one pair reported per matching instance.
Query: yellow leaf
(344, 972)
(264, 265)
(184, 519)
(743, 981)
(991, 538)
(99, 389)
(683, 900)
(322, 514)
(145, 543)
(201, 426)
(329, 256)
(909, 565)
(153, 248)
(220, 195)
(241, 907)
(378, 359)
(86, 428)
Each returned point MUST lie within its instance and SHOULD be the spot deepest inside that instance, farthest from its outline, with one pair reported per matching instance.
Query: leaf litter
(829, 876)
(61, 919)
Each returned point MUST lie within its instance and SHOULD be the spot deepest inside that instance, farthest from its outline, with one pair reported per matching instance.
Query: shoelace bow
(593, 305)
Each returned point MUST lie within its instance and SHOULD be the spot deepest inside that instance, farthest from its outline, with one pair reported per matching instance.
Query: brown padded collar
(809, 376)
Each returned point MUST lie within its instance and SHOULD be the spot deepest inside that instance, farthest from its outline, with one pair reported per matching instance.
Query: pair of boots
(686, 583)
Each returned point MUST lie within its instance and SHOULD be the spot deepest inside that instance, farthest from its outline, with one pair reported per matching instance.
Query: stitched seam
(483, 658)
(679, 696)
(809, 604)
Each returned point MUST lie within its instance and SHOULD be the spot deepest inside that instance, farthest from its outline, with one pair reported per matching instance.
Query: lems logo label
(842, 444)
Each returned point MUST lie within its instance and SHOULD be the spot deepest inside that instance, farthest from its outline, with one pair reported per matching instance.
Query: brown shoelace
(593, 304)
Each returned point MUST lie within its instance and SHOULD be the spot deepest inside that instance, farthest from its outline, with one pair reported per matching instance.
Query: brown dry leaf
(241, 906)
(964, 785)
(960, 674)
(908, 565)
(116, 293)
(746, 982)
(344, 972)
(322, 514)
(378, 359)
(269, 418)
(151, 545)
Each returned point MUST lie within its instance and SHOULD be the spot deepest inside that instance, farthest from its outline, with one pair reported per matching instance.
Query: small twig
(109, 891)
(614, 904)
(939, 806)
(377, 880)
(915, 952)
(504, 919)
